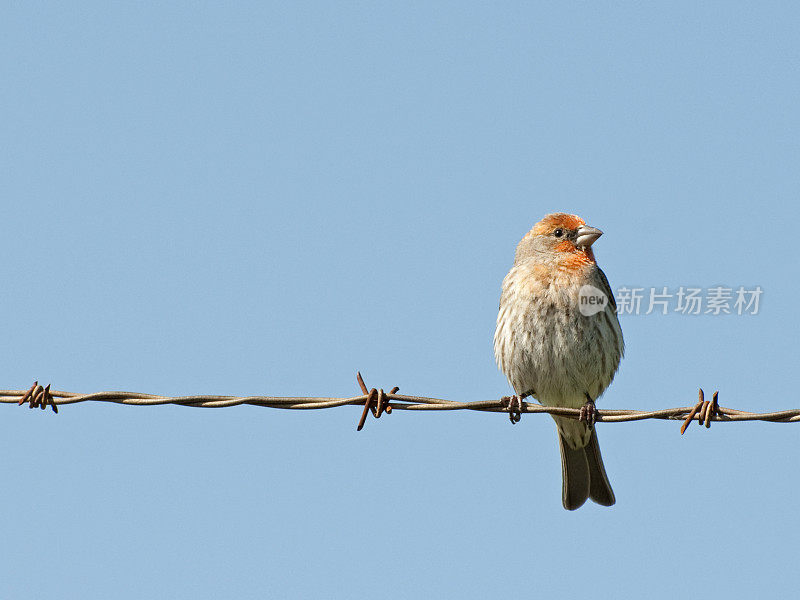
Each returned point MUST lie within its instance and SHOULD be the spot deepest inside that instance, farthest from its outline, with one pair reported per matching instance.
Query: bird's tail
(583, 474)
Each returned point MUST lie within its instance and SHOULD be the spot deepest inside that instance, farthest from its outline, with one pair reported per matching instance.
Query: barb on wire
(38, 396)
(704, 410)
(378, 402)
(378, 397)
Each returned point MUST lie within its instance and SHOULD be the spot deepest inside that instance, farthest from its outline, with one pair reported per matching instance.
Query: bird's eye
(558, 232)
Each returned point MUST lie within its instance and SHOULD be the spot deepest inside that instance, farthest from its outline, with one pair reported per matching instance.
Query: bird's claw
(514, 406)
(588, 413)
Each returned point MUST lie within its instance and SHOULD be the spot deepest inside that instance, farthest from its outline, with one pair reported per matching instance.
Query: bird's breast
(544, 343)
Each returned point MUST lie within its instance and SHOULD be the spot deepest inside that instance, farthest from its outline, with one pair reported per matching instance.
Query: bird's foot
(588, 412)
(514, 406)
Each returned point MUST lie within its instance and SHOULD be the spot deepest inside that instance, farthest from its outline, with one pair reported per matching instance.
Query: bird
(555, 343)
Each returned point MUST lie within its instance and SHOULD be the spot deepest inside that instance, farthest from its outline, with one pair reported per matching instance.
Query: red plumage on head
(556, 220)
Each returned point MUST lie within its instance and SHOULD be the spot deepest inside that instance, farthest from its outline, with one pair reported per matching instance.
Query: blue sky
(263, 198)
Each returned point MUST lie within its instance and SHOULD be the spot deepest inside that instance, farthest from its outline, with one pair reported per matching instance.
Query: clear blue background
(262, 198)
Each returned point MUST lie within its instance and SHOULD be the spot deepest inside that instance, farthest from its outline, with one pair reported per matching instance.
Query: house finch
(557, 350)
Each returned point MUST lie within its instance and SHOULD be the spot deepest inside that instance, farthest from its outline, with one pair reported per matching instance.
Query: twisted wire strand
(403, 402)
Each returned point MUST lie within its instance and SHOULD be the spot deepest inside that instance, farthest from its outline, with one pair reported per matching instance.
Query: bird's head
(559, 238)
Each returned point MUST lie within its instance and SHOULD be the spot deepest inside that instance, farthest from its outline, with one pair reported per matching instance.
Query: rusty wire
(379, 402)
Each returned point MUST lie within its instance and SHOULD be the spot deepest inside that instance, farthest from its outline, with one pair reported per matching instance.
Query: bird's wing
(607, 289)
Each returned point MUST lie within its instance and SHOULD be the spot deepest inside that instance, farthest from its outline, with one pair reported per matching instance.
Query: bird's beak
(587, 236)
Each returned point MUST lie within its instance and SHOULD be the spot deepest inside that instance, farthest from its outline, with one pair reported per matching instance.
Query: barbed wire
(379, 402)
